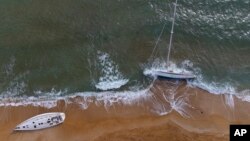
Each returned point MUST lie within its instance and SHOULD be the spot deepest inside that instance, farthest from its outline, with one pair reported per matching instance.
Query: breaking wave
(110, 77)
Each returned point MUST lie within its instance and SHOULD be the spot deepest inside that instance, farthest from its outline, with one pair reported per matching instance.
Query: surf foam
(110, 77)
(106, 98)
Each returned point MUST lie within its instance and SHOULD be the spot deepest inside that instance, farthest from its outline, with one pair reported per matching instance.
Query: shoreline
(170, 111)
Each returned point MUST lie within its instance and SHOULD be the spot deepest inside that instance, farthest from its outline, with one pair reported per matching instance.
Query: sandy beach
(171, 111)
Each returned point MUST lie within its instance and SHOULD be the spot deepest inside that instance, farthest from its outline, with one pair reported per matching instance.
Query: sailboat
(168, 73)
(41, 121)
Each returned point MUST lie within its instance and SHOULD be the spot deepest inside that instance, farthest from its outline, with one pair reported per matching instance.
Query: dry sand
(170, 112)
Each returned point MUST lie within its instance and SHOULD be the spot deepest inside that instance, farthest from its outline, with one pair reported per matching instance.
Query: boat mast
(171, 35)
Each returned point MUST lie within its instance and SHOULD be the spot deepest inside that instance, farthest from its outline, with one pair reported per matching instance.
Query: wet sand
(170, 111)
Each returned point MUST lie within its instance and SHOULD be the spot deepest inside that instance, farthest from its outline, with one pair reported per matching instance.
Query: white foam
(107, 85)
(15, 88)
(180, 103)
(110, 77)
(213, 87)
(227, 89)
(52, 93)
(42, 99)
(229, 100)
(244, 95)
(25, 102)
(107, 99)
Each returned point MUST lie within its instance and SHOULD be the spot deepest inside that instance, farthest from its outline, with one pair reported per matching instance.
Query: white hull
(173, 75)
(41, 121)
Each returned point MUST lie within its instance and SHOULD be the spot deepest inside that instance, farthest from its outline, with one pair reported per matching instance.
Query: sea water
(54, 49)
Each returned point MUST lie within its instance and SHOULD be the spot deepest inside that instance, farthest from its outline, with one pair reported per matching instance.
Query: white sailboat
(41, 121)
(168, 73)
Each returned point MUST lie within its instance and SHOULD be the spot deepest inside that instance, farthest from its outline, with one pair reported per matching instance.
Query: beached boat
(41, 121)
(173, 75)
(168, 73)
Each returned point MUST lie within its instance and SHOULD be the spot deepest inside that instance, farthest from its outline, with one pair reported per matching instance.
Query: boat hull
(173, 75)
(41, 121)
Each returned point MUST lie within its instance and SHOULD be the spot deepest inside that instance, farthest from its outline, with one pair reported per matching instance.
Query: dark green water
(71, 46)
